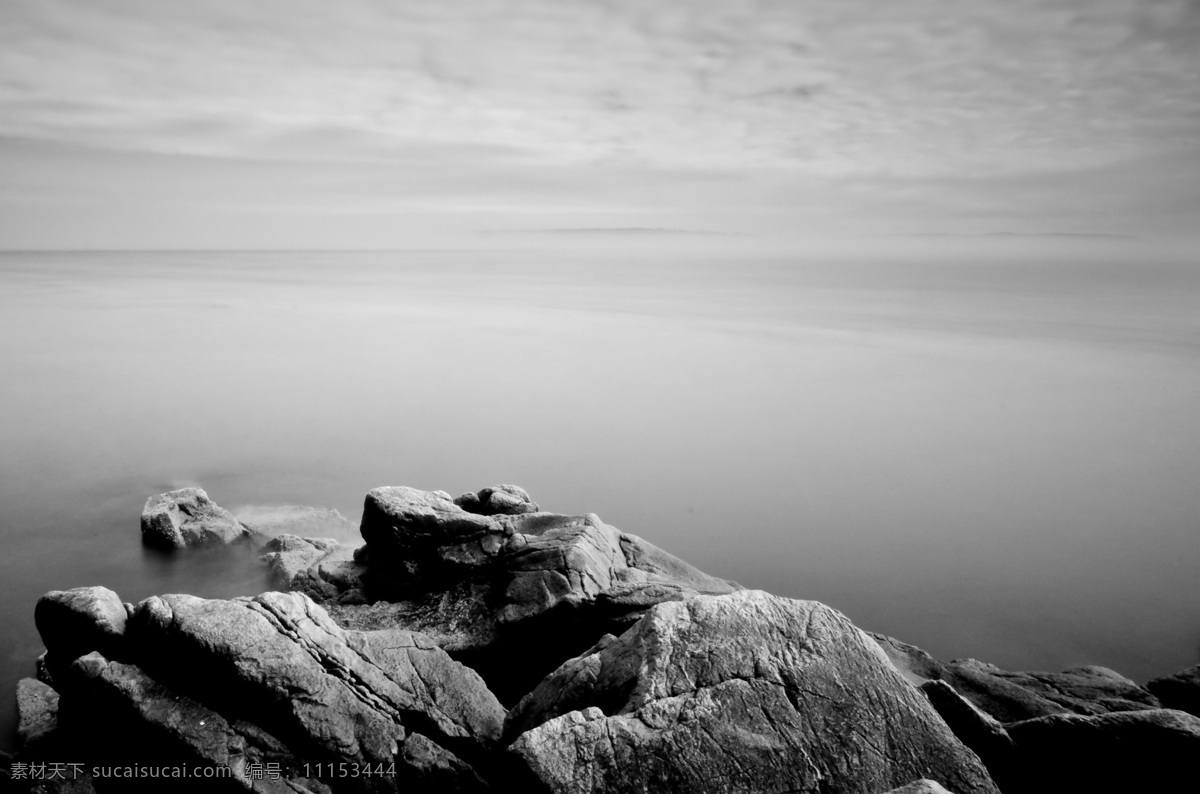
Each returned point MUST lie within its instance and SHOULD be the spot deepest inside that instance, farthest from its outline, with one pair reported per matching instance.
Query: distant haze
(303, 124)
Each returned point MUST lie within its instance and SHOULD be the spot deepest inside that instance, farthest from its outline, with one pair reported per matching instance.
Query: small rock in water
(187, 517)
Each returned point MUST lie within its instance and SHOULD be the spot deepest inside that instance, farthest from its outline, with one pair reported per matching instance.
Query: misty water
(989, 453)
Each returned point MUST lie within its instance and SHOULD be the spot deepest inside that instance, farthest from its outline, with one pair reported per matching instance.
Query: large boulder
(78, 621)
(1149, 750)
(1179, 691)
(746, 692)
(331, 696)
(187, 517)
(1012, 696)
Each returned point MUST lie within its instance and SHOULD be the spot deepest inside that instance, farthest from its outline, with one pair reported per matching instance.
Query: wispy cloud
(846, 86)
(951, 106)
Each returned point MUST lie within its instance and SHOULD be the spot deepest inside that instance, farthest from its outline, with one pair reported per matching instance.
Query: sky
(371, 124)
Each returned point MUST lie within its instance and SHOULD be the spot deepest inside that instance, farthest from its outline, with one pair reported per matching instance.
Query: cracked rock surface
(746, 692)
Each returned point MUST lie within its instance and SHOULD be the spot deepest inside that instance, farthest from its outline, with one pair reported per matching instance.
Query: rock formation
(388, 667)
(508, 589)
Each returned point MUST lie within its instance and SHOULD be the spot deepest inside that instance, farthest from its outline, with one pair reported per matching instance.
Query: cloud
(820, 87)
(756, 115)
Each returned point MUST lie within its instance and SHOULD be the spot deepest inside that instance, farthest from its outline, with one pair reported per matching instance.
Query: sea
(986, 449)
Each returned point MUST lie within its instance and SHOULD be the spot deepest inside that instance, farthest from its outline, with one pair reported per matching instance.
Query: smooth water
(985, 457)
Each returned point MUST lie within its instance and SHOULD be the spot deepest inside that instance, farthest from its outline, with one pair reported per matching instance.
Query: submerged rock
(274, 520)
(187, 517)
(745, 692)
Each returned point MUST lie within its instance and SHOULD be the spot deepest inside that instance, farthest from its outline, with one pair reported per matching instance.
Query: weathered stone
(1149, 750)
(75, 622)
(745, 692)
(1179, 691)
(498, 500)
(187, 517)
(423, 535)
(123, 717)
(1012, 696)
(37, 715)
(287, 556)
(979, 731)
(332, 696)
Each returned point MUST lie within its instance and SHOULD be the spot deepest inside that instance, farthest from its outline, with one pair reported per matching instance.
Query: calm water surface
(988, 457)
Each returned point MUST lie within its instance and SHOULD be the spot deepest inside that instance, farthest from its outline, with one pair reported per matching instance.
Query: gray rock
(1012, 696)
(1150, 750)
(979, 731)
(921, 787)
(1179, 691)
(37, 715)
(745, 692)
(187, 517)
(75, 622)
(286, 556)
(129, 719)
(332, 696)
(508, 500)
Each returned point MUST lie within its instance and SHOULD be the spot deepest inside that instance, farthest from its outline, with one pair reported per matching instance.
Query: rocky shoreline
(479, 643)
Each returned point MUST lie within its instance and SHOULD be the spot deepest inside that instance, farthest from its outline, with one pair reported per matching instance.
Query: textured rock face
(1180, 691)
(286, 556)
(332, 695)
(187, 517)
(745, 692)
(1010, 696)
(1151, 750)
(271, 679)
(979, 731)
(510, 500)
(37, 714)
